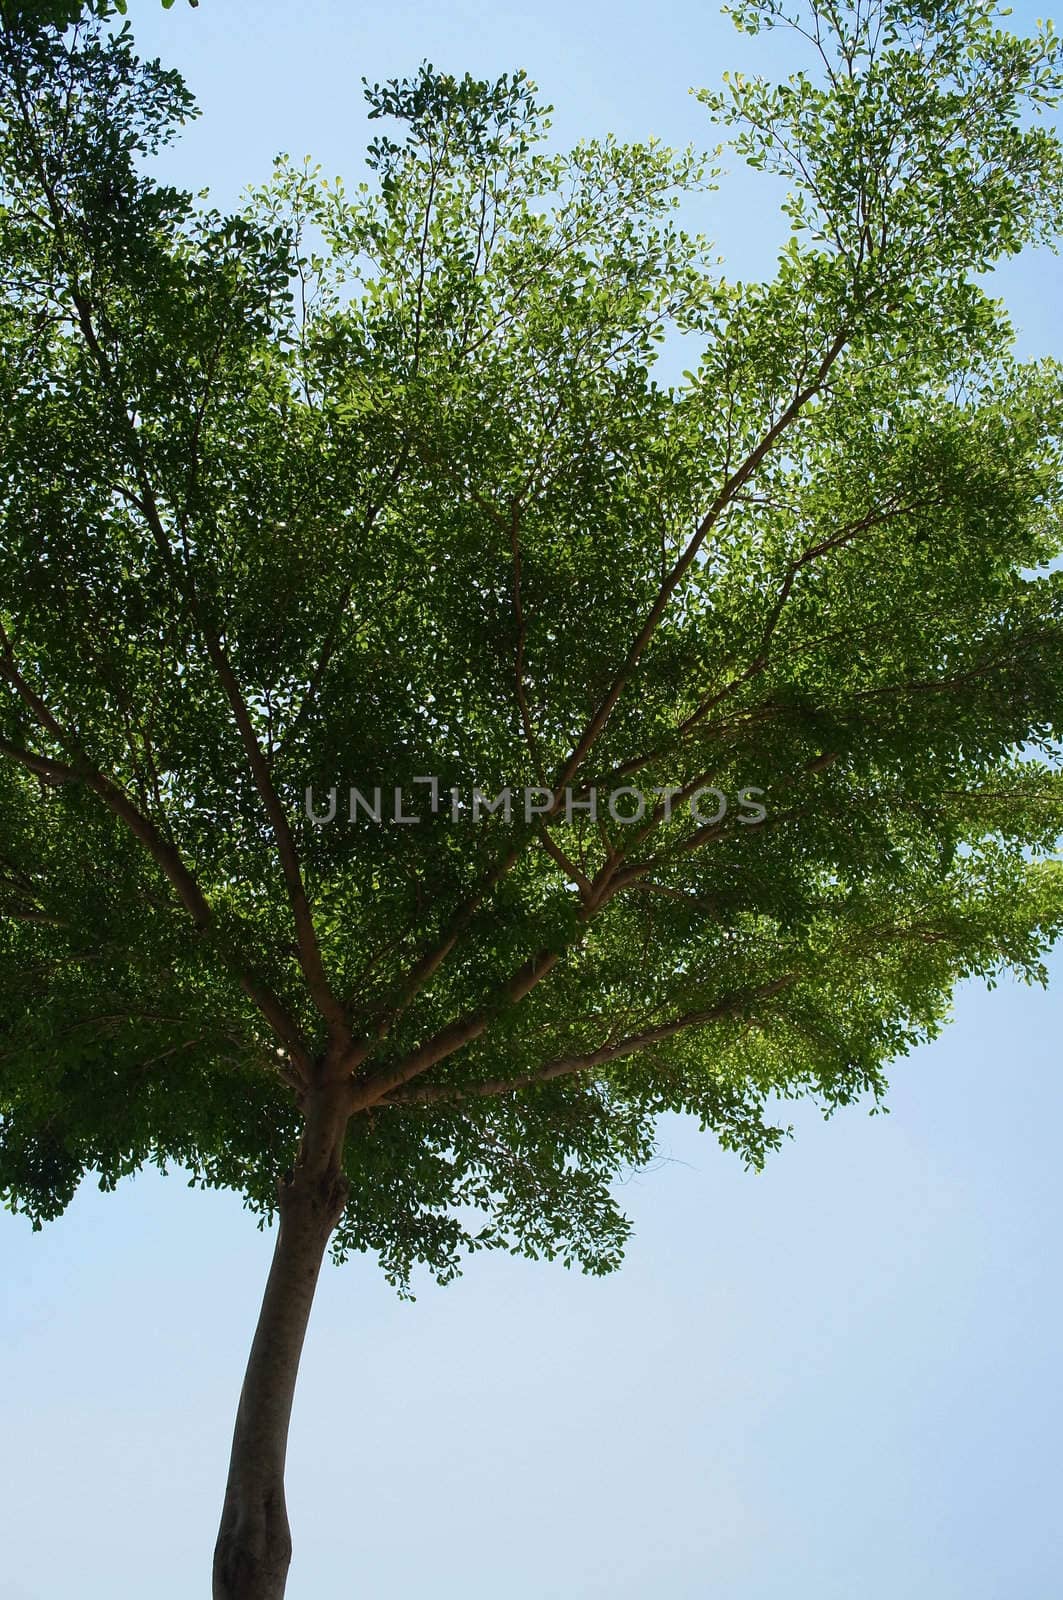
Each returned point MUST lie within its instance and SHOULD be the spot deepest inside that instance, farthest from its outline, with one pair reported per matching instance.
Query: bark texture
(254, 1546)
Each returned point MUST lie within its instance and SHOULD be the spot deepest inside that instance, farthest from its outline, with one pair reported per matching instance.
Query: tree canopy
(356, 487)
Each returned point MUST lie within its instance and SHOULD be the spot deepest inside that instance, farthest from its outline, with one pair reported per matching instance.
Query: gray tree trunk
(254, 1547)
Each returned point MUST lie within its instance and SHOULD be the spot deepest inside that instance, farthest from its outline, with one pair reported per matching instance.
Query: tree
(66, 13)
(713, 725)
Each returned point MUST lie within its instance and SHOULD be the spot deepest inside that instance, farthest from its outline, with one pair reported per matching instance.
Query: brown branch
(844, 536)
(706, 903)
(727, 493)
(308, 950)
(165, 855)
(518, 613)
(53, 772)
(761, 657)
(457, 1034)
(464, 1030)
(606, 1055)
(428, 965)
(426, 968)
(306, 935)
(328, 645)
(567, 866)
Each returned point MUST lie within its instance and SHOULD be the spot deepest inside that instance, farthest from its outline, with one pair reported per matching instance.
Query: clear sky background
(835, 1381)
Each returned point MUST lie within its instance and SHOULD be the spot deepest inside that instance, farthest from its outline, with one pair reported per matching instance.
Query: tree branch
(165, 855)
(456, 1035)
(606, 1055)
(682, 566)
(306, 937)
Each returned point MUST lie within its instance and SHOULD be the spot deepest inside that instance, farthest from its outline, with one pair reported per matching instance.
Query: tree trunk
(254, 1547)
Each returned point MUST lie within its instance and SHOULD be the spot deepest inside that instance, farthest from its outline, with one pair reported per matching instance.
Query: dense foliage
(352, 488)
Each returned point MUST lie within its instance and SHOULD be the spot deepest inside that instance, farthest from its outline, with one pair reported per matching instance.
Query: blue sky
(837, 1379)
